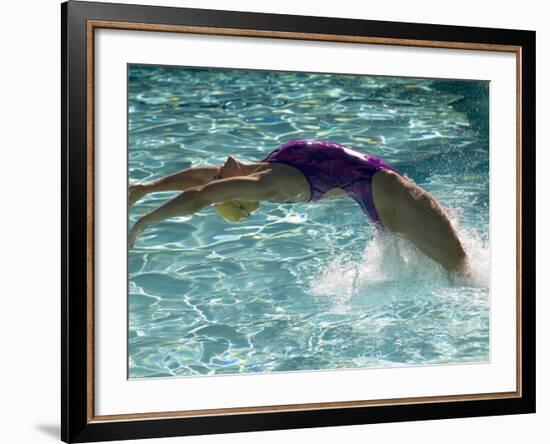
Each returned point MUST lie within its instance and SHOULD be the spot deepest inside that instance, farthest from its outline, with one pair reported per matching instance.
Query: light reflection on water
(303, 286)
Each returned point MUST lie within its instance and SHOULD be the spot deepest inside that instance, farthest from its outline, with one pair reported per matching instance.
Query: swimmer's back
(328, 165)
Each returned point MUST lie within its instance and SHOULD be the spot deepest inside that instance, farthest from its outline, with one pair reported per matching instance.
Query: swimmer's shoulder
(289, 182)
(273, 169)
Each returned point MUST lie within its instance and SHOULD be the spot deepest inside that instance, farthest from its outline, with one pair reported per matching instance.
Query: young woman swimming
(311, 170)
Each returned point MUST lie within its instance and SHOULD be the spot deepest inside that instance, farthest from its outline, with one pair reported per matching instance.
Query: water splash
(478, 268)
(391, 268)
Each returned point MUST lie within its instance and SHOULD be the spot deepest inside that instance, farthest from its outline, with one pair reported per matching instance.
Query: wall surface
(29, 234)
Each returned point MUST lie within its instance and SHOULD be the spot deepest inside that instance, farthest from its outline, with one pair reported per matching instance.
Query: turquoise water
(304, 286)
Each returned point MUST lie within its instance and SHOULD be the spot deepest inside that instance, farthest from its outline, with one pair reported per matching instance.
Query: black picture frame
(77, 424)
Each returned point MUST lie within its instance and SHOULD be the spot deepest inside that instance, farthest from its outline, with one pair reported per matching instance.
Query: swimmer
(309, 171)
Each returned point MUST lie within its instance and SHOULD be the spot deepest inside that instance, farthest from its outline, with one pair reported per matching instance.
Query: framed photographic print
(275, 221)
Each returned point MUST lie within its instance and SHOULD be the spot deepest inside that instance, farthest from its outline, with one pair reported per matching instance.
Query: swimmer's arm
(179, 181)
(256, 188)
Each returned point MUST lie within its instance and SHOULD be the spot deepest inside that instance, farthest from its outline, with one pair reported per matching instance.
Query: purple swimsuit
(328, 165)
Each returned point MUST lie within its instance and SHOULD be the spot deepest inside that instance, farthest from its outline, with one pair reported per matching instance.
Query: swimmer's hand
(136, 192)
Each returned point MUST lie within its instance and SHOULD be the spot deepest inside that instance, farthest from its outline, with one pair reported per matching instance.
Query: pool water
(299, 287)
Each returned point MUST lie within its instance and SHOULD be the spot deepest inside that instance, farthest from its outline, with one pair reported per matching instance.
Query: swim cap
(236, 210)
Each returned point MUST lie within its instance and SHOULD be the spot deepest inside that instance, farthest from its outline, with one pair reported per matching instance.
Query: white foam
(391, 265)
